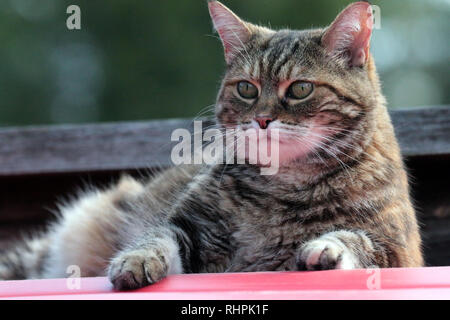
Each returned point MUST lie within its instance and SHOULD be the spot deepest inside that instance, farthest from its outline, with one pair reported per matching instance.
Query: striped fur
(343, 203)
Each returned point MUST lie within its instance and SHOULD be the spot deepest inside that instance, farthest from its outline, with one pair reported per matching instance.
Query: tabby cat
(340, 199)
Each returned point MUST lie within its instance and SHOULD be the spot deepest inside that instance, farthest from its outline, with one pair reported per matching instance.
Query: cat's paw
(136, 269)
(325, 254)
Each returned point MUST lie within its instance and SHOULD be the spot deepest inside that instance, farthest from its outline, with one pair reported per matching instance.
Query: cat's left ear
(233, 32)
(349, 35)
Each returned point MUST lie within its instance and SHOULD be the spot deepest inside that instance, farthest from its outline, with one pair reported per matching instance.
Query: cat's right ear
(233, 32)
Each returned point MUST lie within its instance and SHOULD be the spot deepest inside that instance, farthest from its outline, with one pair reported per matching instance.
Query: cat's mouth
(285, 142)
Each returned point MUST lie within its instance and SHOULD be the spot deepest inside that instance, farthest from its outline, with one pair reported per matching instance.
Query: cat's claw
(325, 254)
(136, 269)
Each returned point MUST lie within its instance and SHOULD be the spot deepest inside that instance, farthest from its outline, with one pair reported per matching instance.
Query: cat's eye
(300, 90)
(247, 90)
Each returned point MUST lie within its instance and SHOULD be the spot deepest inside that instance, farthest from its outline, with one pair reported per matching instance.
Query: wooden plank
(133, 145)
(423, 131)
(88, 147)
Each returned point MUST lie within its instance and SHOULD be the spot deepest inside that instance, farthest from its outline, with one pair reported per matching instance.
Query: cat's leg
(341, 250)
(145, 262)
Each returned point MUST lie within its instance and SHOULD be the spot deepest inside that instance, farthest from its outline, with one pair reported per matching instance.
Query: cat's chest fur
(265, 222)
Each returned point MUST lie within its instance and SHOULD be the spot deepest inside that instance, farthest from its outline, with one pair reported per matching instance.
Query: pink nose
(263, 121)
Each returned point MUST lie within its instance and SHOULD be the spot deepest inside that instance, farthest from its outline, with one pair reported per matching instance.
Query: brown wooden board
(132, 145)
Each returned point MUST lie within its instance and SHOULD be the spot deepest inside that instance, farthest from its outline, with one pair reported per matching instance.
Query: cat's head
(317, 87)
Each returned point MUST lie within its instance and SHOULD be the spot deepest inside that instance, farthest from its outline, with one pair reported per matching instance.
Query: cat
(340, 198)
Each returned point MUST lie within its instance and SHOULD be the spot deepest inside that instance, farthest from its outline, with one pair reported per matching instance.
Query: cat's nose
(263, 121)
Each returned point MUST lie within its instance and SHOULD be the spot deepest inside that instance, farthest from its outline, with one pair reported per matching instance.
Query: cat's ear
(349, 34)
(233, 32)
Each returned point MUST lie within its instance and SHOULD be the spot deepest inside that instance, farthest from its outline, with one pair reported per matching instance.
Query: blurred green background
(135, 60)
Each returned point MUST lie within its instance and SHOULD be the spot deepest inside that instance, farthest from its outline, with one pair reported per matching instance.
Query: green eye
(247, 90)
(300, 90)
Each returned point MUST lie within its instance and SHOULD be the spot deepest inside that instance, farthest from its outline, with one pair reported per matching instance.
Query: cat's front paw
(136, 269)
(325, 254)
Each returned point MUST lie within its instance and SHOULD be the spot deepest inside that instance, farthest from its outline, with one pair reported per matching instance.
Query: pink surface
(414, 283)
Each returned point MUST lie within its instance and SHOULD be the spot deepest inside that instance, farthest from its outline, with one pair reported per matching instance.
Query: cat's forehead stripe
(255, 72)
(284, 58)
(247, 69)
(276, 57)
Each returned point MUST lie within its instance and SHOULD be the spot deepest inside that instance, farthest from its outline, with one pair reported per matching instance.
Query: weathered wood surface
(423, 131)
(132, 145)
(87, 147)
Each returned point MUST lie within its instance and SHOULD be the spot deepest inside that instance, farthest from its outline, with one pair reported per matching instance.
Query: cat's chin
(281, 153)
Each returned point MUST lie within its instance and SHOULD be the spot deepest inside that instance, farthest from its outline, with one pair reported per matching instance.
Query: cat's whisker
(228, 144)
(238, 50)
(342, 143)
(360, 150)
(319, 145)
(315, 153)
(203, 111)
(338, 142)
(248, 59)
